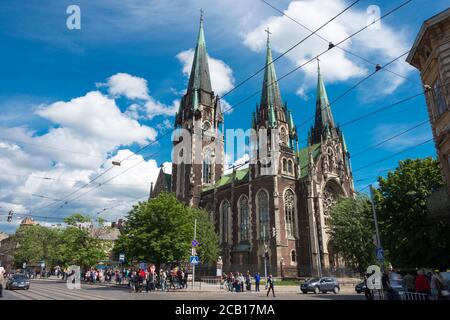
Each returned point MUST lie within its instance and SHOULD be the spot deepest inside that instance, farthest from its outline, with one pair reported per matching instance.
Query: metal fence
(414, 296)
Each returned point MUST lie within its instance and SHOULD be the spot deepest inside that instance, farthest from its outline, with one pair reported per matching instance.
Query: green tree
(161, 230)
(408, 235)
(78, 245)
(36, 243)
(351, 230)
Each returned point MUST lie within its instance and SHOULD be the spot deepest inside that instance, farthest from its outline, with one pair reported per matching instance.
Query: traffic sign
(380, 254)
(143, 266)
(121, 257)
(194, 243)
(193, 260)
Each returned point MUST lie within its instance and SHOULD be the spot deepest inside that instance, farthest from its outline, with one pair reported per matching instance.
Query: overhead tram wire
(290, 49)
(297, 68)
(393, 155)
(322, 53)
(343, 49)
(354, 86)
(234, 88)
(390, 138)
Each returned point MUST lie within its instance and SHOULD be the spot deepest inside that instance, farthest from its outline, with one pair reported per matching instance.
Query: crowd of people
(430, 285)
(139, 280)
(238, 282)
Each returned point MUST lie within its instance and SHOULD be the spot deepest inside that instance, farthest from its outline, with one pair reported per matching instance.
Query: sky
(74, 100)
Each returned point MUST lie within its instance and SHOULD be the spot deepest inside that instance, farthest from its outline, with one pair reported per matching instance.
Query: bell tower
(198, 143)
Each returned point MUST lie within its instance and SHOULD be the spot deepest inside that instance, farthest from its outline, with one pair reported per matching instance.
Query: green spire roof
(200, 78)
(324, 117)
(270, 92)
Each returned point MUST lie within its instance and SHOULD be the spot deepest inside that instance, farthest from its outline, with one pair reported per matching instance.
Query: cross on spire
(268, 35)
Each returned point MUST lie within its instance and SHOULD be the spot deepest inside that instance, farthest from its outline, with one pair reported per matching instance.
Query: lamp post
(281, 267)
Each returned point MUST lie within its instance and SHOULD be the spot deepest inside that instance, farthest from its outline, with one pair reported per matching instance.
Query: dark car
(324, 285)
(18, 281)
(360, 287)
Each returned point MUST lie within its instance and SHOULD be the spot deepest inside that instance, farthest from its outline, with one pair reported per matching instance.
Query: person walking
(257, 281)
(367, 291)
(248, 282)
(270, 286)
(386, 285)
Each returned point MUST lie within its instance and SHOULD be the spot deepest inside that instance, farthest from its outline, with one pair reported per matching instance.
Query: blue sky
(73, 100)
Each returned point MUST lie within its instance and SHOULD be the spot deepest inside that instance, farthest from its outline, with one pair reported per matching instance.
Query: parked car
(317, 285)
(18, 281)
(360, 287)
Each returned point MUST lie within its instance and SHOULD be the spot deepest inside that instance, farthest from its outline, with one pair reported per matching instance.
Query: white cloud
(222, 79)
(301, 92)
(124, 84)
(380, 45)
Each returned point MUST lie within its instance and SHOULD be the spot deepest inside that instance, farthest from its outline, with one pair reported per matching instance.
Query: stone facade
(274, 209)
(430, 54)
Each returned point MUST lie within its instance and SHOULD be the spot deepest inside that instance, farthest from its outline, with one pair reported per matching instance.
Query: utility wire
(393, 155)
(343, 49)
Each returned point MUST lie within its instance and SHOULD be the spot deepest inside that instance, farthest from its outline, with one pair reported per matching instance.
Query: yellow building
(430, 54)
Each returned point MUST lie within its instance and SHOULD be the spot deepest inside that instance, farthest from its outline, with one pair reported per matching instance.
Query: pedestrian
(422, 284)
(2, 279)
(410, 282)
(270, 286)
(186, 278)
(386, 285)
(436, 285)
(248, 282)
(367, 291)
(257, 281)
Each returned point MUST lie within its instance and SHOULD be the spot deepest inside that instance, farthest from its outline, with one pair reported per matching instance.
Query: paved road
(53, 290)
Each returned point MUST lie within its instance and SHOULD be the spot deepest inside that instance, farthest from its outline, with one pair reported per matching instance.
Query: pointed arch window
(263, 214)
(225, 212)
(289, 209)
(284, 165)
(290, 167)
(244, 217)
(207, 167)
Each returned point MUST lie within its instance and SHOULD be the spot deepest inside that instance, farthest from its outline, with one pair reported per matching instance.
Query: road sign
(143, 266)
(194, 243)
(24, 265)
(380, 254)
(121, 257)
(193, 260)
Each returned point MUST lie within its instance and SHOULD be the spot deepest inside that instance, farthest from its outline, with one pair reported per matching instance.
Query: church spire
(324, 122)
(271, 96)
(324, 116)
(199, 78)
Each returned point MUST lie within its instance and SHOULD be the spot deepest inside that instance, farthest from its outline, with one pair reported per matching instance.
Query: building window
(245, 223)
(289, 208)
(284, 165)
(440, 104)
(293, 256)
(263, 214)
(181, 178)
(225, 220)
(283, 136)
(207, 167)
(290, 167)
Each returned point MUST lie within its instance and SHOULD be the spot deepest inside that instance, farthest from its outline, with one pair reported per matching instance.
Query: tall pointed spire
(270, 92)
(199, 78)
(324, 117)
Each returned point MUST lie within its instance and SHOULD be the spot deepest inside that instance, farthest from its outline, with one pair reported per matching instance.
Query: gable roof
(304, 158)
(241, 176)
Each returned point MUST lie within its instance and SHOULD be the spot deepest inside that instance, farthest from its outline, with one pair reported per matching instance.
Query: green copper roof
(241, 175)
(270, 92)
(304, 158)
(272, 117)
(200, 78)
(324, 117)
(291, 122)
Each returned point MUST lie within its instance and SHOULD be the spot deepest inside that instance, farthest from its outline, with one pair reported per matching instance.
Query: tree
(161, 231)
(36, 243)
(408, 235)
(78, 246)
(351, 231)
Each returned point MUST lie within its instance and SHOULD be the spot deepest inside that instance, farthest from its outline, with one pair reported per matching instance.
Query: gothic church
(279, 219)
